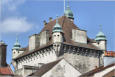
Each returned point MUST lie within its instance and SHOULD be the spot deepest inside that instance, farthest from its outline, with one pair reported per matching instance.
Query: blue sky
(25, 17)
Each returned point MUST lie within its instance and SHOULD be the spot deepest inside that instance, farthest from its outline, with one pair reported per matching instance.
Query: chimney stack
(3, 49)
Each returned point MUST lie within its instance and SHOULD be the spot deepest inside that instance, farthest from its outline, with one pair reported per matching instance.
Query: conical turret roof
(57, 27)
(16, 45)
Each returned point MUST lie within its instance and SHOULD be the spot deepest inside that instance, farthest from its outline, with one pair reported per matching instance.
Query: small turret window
(58, 35)
(54, 35)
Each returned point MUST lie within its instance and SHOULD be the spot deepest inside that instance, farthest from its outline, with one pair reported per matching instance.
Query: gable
(62, 69)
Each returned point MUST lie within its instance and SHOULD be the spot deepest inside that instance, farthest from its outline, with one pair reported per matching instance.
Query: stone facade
(16, 53)
(57, 37)
(44, 56)
(82, 59)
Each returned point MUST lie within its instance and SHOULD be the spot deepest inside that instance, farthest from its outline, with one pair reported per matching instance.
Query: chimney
(3, 48)
(45, 22)
(50, 18)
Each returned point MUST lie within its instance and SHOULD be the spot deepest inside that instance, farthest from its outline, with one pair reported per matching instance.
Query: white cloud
(15, 24)
(11, 4)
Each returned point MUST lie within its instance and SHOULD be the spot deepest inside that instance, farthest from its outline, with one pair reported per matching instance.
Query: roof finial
(57, 19)
(68, 3)
(17, 38)
(100, 27)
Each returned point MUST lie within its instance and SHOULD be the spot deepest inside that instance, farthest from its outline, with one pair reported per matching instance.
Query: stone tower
(57, 37)
(57, 33)
(16, 49)
(3, 48)
(101, 40)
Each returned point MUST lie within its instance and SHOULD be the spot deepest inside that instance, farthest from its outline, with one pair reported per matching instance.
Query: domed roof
(100, 36)
(17, 45)
(2, 43)
(57, 27)
(68, 13)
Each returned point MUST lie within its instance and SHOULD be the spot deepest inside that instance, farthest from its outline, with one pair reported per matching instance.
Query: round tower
(16, 49)
(101, 40)
(57, 33)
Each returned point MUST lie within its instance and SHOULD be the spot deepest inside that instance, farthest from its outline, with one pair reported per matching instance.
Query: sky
(25, 17)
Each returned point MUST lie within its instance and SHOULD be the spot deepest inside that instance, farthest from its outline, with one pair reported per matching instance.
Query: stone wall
(102, 45)
(16, 53)
(82, 63)
(57, 37)
(82, 59)
(43, 56)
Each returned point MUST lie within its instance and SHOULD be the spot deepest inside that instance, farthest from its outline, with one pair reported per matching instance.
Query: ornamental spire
(67, 2)
(100, 28)
(17, 44)
(68, 13)
(56, 19)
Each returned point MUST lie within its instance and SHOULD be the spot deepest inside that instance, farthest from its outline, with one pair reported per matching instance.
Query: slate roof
(45, 68)
(67, 26)
(6, 71)
(92, 72)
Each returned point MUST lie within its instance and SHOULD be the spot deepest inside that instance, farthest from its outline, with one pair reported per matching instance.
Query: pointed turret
(100, 36)
(16, 45)
(16, 49)
(101, 39)
(57, 33)
(57, 27)
(68, 12)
